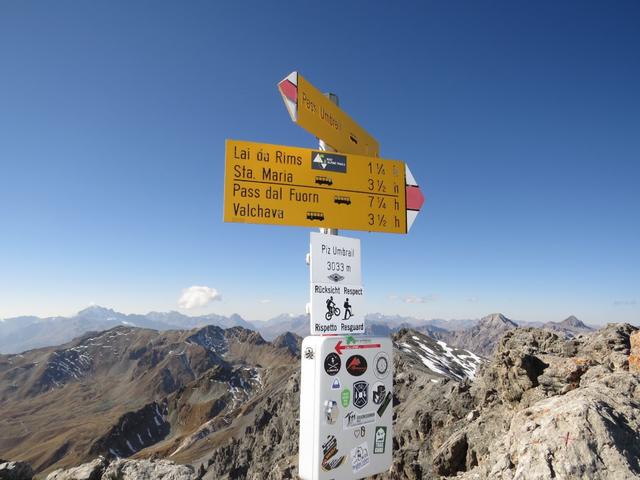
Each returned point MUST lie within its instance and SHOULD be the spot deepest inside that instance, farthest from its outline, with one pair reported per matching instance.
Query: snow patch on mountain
(439, 357)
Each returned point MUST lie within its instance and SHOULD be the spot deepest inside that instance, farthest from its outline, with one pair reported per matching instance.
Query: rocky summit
(106, 469)
(543, 406)
(483, 337)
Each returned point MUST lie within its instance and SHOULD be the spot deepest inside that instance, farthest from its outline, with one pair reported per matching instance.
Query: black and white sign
(337, 309)
(337, 295)
(335, 260)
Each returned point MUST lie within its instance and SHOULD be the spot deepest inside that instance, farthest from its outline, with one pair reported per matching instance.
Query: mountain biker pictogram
(332, 310)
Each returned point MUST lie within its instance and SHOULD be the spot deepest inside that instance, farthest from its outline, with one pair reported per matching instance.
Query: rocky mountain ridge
(542, 407)
(127, 389)
(139, 393)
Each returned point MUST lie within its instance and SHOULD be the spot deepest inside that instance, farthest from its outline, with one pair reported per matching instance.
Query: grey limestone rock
(15, 471)
(574, 415)
(122, 469)
(88, 471)
(125, 469)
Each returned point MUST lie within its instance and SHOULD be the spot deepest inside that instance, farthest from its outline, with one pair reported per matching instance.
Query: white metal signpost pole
(346, 388)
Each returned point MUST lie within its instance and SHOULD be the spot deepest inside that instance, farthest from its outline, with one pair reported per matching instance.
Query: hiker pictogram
(347, 310)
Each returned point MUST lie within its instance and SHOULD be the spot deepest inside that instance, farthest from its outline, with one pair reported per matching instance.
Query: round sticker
(356, 365)
(381, 365)
(332, 364)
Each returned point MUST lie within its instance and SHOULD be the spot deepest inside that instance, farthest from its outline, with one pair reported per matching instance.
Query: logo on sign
(332, 364)
(345, 397)
(330, 460)
(355, 419)
(359, 457)
(381, 364)
(330, 162)
(308, 353)
(379, 440)
(356, 365)
(335, 385)
(378, 393)
(360, 394)
(335, 277)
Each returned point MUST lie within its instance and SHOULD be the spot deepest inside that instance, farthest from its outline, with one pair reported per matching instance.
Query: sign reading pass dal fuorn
(279, 185)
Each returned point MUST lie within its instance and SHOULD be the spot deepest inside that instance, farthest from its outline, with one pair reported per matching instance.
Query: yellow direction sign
(278, 185)
(314, 112)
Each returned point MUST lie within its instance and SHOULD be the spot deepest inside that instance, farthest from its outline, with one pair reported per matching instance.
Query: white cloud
(198, 296)
(624, 302)
(264, 301)
(414, 299)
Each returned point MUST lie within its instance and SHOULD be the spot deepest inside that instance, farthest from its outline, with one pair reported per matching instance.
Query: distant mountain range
(24, 333)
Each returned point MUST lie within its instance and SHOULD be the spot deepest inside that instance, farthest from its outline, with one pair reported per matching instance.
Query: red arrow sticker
(340, 347)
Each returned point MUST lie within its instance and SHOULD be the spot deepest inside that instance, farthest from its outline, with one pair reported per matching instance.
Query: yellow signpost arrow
(314, 112)
(280, 185)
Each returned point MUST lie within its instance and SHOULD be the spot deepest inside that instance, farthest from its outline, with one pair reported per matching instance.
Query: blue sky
(519, 120)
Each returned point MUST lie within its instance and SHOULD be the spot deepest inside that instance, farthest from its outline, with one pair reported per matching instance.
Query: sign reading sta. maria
(337, 295)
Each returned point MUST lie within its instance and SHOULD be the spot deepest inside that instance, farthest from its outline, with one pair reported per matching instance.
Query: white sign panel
(346, 407)
(335, 260)
(337, 296)
(336, 309)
